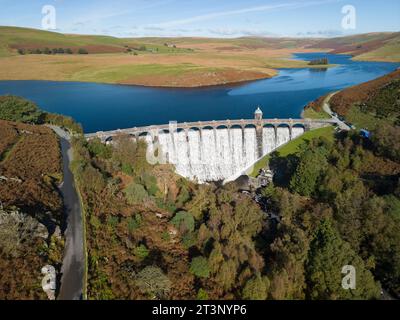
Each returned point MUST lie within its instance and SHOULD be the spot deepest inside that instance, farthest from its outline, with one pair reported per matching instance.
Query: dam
(215, 150)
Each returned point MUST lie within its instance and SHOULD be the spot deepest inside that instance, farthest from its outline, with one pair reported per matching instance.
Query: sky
(206, 18)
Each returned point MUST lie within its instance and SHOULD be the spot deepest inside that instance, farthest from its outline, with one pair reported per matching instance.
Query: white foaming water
(269, 141)
(283, 136)
(297, 132)
(217, 154)
(250, 146)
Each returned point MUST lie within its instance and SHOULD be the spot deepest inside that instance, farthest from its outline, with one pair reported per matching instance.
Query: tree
(82, 51)
(256, 288)
(305, 178)
(199, 267)
(99, 149)
(327, 256)
(386, 139)
(183, 221)
(14, 108)
(152, 281)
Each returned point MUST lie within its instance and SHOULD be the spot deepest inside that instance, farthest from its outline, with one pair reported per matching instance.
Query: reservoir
(102, 107)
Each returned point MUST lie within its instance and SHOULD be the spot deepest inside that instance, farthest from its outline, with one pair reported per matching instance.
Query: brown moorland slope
(365, 46)
(31, 156)
(30, 208)
(344, 100)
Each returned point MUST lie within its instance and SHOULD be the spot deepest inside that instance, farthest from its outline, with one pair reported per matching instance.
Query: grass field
(310, 113)
(293, 146)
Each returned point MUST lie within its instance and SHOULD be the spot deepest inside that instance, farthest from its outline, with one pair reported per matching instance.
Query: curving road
(73, 267)
(327, 108)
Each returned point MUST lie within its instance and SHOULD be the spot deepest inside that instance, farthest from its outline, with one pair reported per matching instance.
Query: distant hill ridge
(381, 45)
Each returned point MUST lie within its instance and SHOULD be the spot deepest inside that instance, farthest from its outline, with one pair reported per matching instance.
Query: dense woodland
(152, 234)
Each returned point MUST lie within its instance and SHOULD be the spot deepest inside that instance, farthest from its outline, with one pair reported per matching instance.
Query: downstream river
(106, 107)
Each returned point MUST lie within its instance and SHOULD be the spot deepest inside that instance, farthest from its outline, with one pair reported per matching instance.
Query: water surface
(106, 107)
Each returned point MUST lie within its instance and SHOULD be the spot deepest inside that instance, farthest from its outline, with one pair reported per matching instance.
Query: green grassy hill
(371, 46)
(14, 38)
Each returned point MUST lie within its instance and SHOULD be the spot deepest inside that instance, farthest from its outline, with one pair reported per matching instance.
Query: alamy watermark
(49, 17)
(349, 21)
(349, 280)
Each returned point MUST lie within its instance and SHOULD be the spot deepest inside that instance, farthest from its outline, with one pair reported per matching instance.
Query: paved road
(73, 267)
(326, 107)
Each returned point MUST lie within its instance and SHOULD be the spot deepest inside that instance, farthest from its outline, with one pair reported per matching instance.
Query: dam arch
(216, 150)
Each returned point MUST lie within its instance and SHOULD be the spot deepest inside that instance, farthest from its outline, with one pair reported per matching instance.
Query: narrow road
(326, 107)
(73, 267)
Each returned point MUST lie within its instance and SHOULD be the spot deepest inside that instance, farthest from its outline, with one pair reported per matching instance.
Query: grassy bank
(310, 113)
(293, 146)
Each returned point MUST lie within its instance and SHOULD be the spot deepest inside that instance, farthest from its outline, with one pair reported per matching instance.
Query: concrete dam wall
(215, 150)
(213, 154)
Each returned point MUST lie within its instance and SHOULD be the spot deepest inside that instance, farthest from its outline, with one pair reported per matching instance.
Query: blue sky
(215, 18)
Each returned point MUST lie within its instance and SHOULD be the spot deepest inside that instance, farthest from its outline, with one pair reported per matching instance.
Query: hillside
(365, 105)
(371, 46)
(372, 103)
(29, 54)
(30, 208)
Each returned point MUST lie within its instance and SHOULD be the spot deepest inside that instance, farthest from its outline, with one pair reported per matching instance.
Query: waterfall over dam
(215, 150)
(218, 154)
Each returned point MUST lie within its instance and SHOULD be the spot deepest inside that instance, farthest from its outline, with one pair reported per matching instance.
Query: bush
(112, 221)
(199, 267)
(127, 169)
(141, 251)
(202, 294)
(152, 281)
(135, 193)
(83, 51)
(150, 182)
(134, 222)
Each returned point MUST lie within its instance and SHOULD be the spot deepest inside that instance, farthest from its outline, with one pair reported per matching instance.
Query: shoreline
(233, 83)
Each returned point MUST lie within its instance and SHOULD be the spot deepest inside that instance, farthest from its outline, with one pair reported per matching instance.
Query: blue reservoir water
(105, 107)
